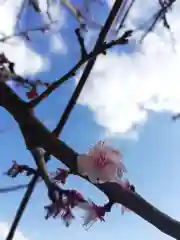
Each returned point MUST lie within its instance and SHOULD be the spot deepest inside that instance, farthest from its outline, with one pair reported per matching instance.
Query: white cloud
(27, 60)
(122, 88)
(110, 3)
(57, 45)
(4, 231)
(8, 12)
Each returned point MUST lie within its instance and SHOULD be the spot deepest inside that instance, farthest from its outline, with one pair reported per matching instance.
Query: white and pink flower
(102, 164)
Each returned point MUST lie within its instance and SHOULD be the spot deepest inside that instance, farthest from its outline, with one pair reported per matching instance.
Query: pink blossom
(54, 209)
(60, 175)
(14, 170)
(32, 93)
(67, 217)
(68, 199)
(102, 164)
(74, 198)
(93, 213)
(58, 208)
(17, 169)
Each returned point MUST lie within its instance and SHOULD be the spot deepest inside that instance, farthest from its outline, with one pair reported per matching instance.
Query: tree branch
(99, 48)
(141, 207)
(22, 207)
(158, 16)
(38, 156)
(121, 25)
(13, 188)
(35, 133)
(42, 28)
(81, 43)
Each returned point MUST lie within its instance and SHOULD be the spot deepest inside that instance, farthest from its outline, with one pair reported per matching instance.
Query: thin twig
(126, 15)
(33, 103)
(24, 33)
(176, 117)
(22, 207)
(158, 16)
(13, 188)
(38, 156)
(81, 43)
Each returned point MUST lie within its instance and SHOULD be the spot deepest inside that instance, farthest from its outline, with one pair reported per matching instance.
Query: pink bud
(93, 213)
(32, 93)
(61, 175)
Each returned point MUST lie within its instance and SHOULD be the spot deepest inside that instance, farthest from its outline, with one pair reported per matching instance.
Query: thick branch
(35, 133)
(141, 207)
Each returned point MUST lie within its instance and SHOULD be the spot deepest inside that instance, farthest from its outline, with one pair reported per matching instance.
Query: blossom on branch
(17, 169)
(67, 217)
(60, 175)
(93, 213)
(54, 209)
(32, 93)
(102, 164)
(67, 200)
(74, 198)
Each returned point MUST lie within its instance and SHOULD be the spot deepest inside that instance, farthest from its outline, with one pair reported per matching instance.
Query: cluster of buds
(60, 176)
(67, 200)
(101, 164)
(63, 205)
(17, 169)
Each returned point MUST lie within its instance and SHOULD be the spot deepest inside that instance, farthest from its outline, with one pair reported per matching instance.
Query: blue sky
(151, 150)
